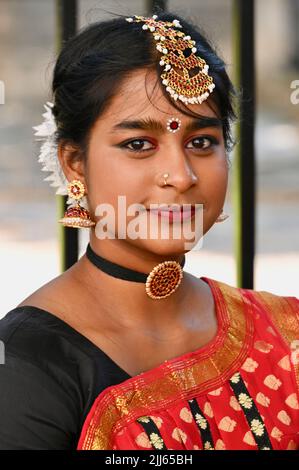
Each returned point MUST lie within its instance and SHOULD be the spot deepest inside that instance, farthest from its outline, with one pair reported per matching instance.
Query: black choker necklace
(162, 281)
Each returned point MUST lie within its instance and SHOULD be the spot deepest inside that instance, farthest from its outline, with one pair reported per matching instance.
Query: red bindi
(174, 125)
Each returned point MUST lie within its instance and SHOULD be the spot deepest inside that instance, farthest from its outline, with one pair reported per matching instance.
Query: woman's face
(130, 160)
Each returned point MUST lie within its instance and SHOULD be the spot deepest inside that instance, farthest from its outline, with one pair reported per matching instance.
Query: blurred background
(29, 246)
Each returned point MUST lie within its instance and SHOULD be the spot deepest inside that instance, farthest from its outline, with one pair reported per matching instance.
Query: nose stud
(165, 176)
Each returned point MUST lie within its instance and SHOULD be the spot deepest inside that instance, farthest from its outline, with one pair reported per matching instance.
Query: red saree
(239, 392)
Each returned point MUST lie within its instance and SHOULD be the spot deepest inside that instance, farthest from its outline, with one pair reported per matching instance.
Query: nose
(177, 165)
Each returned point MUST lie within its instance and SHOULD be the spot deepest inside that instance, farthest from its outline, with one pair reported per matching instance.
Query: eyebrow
(150, 124)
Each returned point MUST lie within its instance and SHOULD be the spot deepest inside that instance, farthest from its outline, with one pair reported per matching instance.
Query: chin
(167, 248)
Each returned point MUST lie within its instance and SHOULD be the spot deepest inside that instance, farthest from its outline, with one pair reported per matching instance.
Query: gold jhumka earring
(76, 216)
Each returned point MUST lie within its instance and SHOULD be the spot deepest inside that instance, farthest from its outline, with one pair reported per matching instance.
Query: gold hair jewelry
(185, 74)
(76, 216)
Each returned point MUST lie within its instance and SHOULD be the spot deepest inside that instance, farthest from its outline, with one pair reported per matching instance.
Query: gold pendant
(164, 279)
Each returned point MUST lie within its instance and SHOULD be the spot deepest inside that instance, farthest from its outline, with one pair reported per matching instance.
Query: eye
(137, 145)
(203, 142)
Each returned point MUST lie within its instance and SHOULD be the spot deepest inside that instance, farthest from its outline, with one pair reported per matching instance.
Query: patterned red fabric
(249, 403)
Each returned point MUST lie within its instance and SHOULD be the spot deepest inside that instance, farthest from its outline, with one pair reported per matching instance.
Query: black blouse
(49, 380)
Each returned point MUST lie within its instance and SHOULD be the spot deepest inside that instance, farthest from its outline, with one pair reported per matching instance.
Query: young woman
(126, 350)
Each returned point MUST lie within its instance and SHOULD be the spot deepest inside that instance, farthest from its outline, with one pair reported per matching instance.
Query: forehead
(140, 94)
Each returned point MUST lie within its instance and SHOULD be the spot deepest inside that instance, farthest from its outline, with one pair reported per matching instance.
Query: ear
(72, 162)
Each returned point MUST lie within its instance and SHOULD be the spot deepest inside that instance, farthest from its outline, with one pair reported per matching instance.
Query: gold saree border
(180, 378)
(284, 313)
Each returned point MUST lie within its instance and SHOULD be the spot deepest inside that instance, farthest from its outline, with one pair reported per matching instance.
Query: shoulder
(35, 334)
(276, 306)
(49, 378)
(282, 312)
(36, 328)
(32, 339)
(46, 343)
(40, 405)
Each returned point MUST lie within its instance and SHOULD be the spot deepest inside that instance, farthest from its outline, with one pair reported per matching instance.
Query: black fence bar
(245, 154)
(67, 18)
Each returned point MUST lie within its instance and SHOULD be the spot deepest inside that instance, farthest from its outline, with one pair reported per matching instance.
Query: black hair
(92, 64)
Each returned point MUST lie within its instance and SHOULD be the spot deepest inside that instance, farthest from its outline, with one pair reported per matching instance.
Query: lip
(175, 215)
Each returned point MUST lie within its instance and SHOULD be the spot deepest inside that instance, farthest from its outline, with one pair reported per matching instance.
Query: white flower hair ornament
(48, 157)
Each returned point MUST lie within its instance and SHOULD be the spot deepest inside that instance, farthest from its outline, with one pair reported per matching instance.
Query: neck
(128, 299)
(120, 252)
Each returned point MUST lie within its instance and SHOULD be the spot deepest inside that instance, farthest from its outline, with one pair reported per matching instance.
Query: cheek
(213, 176)
(108, 178)
(213, 182)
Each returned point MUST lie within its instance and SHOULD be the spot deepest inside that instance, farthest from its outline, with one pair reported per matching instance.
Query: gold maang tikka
(185, 74)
